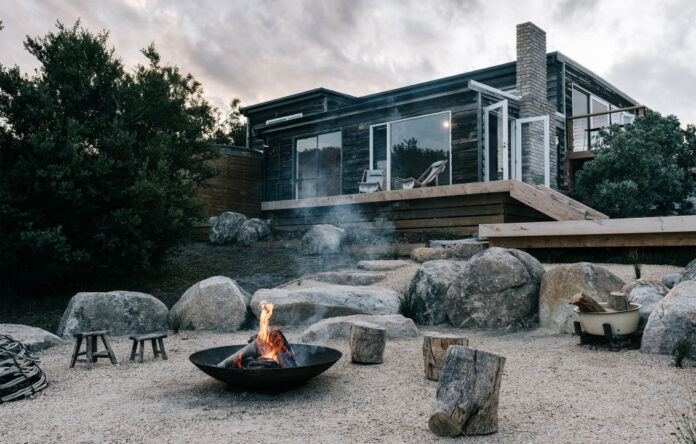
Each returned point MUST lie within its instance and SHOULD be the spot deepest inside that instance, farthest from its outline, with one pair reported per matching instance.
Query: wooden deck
(633, 232)
(456, 209)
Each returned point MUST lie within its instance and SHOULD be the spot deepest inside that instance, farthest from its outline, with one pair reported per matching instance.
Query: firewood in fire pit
(273, 353)
(588, 305)
(434, 349)
(367, 343)
(467, 394)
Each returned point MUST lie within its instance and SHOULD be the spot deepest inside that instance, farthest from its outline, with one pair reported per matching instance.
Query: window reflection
(417, 144)
(319, 165)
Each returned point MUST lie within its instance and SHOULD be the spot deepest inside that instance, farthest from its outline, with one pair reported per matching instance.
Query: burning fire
(268, 349)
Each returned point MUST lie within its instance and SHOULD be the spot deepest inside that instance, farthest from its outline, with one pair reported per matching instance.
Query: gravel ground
(553, 390)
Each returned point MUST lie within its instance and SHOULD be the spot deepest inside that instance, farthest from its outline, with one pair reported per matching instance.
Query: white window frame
(388, 124)
(486, 141)
(296, 161)
(547, 149)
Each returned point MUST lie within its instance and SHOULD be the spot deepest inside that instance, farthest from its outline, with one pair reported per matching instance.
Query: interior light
(445, 124)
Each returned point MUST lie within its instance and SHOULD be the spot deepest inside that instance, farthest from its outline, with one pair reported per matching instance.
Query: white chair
(372, 181)
(430, 174)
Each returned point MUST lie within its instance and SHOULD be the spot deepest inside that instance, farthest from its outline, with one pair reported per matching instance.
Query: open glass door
(543, 120)
(496, 141)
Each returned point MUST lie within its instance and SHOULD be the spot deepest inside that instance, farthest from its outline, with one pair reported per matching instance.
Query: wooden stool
(91, 352)
(155, 338)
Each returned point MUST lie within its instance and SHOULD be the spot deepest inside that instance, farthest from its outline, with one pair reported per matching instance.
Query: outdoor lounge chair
(372, 181)
(430, 174)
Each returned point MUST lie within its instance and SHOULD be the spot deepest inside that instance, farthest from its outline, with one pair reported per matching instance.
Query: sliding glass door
(318, 170)
(406, 148)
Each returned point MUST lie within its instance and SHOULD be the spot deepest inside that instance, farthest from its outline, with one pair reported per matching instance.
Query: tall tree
(98, 166)
(643, 169)
(231, 129)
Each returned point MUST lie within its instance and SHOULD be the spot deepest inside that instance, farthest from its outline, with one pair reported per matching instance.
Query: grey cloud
(264, 49)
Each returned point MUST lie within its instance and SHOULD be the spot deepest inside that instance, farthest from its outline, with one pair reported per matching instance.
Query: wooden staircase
(556, 205)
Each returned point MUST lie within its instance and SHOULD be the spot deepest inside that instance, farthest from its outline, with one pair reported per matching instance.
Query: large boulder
(495, 288)
(225, 228)
(303, 306)
(647, 293)
(561, 283)
(322, 239)
(428, 290)
(689, 273)
(672, 321)
(397, 326)
(253, 230)
(34, 338)
(216, 303)
(120, 312)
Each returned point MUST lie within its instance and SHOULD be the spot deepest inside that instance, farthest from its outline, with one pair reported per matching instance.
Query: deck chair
(372, 181)
(430, 174)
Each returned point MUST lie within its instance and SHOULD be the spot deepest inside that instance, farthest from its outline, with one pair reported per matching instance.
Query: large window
(318, 161)
(586, 130)
(414, 144)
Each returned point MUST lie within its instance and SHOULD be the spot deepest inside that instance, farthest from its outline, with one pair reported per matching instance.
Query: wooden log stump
(588, 305)
(367, 343)
(434, 350)
(618, 301)
(467, 394)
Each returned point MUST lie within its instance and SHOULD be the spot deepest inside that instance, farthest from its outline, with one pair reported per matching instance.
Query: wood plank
(647, 225)
(562, 197)
(602, 240)
(388, 196)
(543, 202)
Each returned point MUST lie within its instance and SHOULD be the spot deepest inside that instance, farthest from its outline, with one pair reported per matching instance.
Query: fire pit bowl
(312, 360)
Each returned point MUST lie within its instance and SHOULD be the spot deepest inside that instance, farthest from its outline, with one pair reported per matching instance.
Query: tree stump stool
(91, 353)
(434, 350)
(467, 394)
(155, 338)
(367, 343)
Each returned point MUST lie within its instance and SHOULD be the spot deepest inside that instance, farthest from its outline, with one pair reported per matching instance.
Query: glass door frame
(503, 105)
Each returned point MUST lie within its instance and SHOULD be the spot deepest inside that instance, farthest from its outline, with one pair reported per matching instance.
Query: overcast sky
(259, 50)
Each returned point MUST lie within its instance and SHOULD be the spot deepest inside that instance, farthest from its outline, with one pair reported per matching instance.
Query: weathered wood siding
(279, 165)
(238, 186)
(459, 215)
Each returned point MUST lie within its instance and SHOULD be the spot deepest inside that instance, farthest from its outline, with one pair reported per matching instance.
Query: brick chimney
(531, 87)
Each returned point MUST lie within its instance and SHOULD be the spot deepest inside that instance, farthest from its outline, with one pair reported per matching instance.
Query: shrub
(98, 165)
(642, 170)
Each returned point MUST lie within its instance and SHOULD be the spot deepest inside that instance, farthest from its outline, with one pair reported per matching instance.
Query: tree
(644, 169)
(231, 130)
(98, 166)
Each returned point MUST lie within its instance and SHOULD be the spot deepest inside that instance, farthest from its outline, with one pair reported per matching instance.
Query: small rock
(562, 282)
(646, 293)
(302, 306)
(428, 290)
(423, 254)
(397, 326)
(672, 321)
(253, 230)
(349, 277)
(216, 303)
(120, 312)
(322, 239)
(382, 265)
(225, 228)
(495, 288)
(671, 280)
(34, 338)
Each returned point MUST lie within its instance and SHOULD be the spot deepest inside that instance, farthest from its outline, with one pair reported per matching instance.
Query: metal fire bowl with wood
(312, 360)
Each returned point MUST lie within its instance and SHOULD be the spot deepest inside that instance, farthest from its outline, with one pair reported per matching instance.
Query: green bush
(98, 165)
(644, 169)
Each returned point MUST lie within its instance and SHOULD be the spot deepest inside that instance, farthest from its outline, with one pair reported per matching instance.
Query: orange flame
(269, 345)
